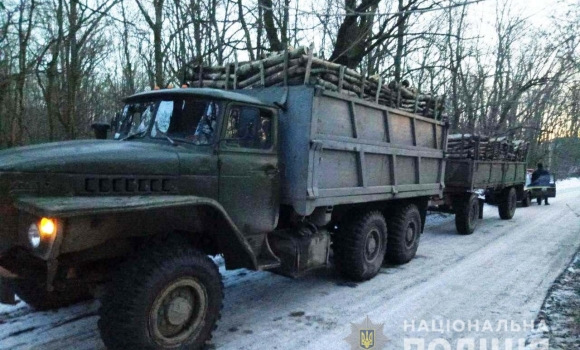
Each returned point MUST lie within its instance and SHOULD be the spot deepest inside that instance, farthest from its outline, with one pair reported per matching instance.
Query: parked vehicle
(544, 187)
(273, 179)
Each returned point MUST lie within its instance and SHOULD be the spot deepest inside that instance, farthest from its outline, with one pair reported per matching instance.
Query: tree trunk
(157, 37)
(247, 35)
(401, 27)
(270, 26)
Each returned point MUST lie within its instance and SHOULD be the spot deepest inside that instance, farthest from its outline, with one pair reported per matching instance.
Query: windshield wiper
(173, 143)
(133, 135)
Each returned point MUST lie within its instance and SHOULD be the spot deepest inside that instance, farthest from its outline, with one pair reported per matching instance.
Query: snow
(501, 272)
(571, 182)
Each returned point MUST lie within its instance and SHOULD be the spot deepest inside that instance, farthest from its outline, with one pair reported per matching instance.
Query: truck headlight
(43, 229)
(34, 236)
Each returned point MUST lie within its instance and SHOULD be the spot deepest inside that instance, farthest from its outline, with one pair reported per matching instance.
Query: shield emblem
(367, 338)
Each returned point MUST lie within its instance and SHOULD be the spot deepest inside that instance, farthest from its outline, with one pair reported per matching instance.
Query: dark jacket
(540, 177)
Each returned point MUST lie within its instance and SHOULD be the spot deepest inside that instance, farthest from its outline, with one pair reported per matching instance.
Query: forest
(65, 64)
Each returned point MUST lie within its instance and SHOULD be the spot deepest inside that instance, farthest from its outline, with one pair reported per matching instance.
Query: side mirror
(101, 130)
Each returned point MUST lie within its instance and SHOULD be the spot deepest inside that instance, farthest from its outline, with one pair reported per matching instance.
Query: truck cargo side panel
(338, 149)
(467, 174)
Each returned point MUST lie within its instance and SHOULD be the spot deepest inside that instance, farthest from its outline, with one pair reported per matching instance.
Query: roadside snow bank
(568, 183)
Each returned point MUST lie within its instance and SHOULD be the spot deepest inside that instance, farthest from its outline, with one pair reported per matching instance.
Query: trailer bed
(465, 175)
(337, 149)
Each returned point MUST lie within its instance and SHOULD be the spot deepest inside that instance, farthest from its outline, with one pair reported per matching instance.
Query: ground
(453, 291)
(559, 318)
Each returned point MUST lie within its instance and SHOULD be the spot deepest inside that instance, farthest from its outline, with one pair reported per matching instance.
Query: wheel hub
(410, 235)
(372, 245)
(179, 311)
(474, 213)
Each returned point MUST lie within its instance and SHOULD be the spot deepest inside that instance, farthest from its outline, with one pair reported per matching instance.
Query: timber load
(300, 66)
(479, 147)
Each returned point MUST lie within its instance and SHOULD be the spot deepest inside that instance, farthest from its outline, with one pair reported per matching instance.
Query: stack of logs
(299, 66)
(468, 146)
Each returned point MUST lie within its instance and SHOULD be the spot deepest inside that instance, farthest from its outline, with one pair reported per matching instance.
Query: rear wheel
(404, 231)
(36, 295)
(527, 200)
(360, 246)
(467, 214)
(507, 206)
(167, 298)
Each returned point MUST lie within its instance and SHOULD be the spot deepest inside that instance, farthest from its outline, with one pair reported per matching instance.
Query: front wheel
(166, 298)
(507, 206)
(404, 231)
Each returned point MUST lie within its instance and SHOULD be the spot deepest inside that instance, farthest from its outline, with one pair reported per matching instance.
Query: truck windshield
(188, 120)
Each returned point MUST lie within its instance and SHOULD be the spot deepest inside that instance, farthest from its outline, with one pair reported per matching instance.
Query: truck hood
(93, 157)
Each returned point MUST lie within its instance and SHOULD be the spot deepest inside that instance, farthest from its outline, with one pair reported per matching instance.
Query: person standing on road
(541, 177)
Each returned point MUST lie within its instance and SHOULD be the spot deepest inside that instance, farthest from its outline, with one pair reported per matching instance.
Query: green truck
(283, 179)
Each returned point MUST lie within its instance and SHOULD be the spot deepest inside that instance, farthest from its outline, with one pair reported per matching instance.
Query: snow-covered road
(500, 273)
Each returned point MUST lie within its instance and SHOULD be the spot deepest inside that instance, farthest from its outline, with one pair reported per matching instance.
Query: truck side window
(249, 127)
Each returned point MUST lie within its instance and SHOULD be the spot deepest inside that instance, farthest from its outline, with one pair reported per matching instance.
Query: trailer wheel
(360, 246)
(404, 232)
(527, 200)
(36, 295)
(467, 214)
(507, 206)
(168, 297)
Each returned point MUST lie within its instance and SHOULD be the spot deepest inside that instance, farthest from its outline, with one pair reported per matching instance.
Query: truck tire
(168, 297)
(36, 295)
(404, 232)
(527, 201)
(359, 248)
(467, 214)
(507, 206)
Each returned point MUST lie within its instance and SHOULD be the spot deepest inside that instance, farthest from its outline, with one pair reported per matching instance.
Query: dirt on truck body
(272, 179)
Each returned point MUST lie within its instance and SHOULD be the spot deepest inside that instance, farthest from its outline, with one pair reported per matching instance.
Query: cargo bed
(338, 149)
(463, 175)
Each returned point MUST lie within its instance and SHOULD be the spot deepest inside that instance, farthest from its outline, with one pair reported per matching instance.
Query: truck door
(249, 176)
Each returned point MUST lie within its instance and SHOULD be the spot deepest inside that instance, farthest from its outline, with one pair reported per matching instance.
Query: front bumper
(16, 264)
(7, 292)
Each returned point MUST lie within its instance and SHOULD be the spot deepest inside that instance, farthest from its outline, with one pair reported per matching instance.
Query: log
(287, 67)
(268, 72)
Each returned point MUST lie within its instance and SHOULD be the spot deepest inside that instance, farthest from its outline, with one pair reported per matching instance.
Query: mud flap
(481, 203)
(7, 293)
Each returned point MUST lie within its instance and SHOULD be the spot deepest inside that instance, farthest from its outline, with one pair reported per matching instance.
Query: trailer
(469, 183)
